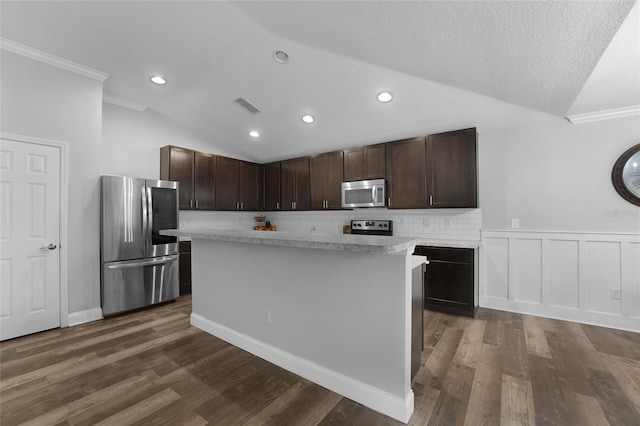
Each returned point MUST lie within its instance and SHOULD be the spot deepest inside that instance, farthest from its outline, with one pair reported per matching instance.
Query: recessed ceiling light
(281, 56)
(158, 80)
(254, 134)
(384, 97)
(308, 119)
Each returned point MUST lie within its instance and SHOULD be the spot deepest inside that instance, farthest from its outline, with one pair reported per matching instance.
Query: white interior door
(29, 238)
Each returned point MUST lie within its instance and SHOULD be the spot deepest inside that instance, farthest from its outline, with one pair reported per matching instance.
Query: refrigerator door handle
(148, 225)
(148, 262)
(145, 218)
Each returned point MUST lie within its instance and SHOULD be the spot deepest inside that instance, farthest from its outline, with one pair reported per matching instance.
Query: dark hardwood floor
(152, 368)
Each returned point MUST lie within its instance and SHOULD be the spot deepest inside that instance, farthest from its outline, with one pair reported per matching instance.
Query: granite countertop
(352, 243)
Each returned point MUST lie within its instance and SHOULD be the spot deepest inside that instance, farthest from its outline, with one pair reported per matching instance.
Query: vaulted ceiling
(449, 65)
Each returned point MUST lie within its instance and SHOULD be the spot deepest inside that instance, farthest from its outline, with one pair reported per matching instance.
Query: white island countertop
(346, 242)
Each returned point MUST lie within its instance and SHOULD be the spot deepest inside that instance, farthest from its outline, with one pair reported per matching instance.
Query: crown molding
(607, 114)
(121, 102)
(39, 55)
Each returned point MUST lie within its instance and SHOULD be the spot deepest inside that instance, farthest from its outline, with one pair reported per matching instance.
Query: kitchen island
(334, 309)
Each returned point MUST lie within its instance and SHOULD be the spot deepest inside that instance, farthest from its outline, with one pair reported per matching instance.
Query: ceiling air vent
(247, 105)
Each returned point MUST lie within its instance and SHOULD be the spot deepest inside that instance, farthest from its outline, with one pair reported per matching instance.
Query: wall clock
(626, 175)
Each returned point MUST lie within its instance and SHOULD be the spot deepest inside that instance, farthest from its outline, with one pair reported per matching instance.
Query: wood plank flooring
(152, 368)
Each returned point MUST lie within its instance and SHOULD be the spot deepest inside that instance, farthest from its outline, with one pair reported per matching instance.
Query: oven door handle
(152, 262)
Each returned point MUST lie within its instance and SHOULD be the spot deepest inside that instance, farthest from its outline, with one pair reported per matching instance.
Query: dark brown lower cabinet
(184, 249)
(450, 279)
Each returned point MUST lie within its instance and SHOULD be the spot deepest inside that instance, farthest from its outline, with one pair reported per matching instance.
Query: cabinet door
(374, 161)
(450, 279)
(354, 164)
(249, 186)
(227, 183)
(452, 169)
(272, 186)
(365, 163)
(334, 180)
(302, 183)
(406, 174)
(318, 170)
(204, 181)
(288, 176)
(449, 283)
(177, 164)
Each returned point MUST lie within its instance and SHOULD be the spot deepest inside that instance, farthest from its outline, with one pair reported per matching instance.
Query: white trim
(64, 216)
(81, 317)
(391, 405)
(607, 114)
(47, 58)
(121, 102)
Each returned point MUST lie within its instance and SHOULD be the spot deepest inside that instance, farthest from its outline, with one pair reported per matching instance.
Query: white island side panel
(343, 313)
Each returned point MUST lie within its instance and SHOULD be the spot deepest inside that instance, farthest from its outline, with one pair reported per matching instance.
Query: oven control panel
(372, 227)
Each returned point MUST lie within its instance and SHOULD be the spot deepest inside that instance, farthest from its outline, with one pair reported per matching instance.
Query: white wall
(45, 102)
(578, 242)
(131, 141)
(556, 176)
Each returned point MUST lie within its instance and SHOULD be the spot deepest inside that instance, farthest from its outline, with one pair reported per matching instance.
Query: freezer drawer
(137, 283)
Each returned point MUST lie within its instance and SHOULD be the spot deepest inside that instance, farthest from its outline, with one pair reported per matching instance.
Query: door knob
(50, 246)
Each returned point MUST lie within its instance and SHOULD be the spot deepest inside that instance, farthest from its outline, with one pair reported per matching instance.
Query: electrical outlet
(615, 293)
(447, 223)
(515, 222)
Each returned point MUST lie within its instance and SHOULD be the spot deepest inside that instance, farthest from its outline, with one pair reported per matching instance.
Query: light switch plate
(515, 222)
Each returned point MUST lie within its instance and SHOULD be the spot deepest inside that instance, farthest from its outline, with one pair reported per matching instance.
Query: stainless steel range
(372, 227)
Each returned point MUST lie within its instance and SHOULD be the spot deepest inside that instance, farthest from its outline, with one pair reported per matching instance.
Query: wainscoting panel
(603, 275)
(528, 270)
(563, 274)
(497, 267)
(588, 278)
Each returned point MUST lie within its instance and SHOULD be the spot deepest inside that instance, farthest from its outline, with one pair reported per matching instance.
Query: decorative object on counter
(346, 229)
(267, 226)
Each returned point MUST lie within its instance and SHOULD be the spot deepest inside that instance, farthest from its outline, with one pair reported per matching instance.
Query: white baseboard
(81, 317)
(372, 397)
(560, 313)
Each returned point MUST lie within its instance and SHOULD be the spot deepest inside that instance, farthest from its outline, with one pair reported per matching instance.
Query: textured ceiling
(535, 54)
(449, 65)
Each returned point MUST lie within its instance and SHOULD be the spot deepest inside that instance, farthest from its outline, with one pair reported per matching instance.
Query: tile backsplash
(440, 224)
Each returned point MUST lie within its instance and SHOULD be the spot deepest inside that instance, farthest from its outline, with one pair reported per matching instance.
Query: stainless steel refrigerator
(139, 266)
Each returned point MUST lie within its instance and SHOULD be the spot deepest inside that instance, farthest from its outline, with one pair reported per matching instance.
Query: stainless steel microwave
(364, 193)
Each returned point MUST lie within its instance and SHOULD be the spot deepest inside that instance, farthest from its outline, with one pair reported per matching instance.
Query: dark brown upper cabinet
(295, 184)
(452, 169)
(272, 186)
(194, 171)
(250, 186)
(367, 162)
(406, 174)
(325, 180)
(237, 184)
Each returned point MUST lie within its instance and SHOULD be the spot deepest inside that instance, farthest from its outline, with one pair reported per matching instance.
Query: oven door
(162, 213)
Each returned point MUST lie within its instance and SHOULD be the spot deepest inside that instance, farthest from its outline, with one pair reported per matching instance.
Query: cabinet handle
(196, 204)
(190, 204)
(277, 205)
(430, 200)
(237, 205)
(241, 205)
(389, 202)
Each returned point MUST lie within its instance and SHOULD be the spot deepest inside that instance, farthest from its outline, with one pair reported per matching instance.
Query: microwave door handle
(373, 195)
